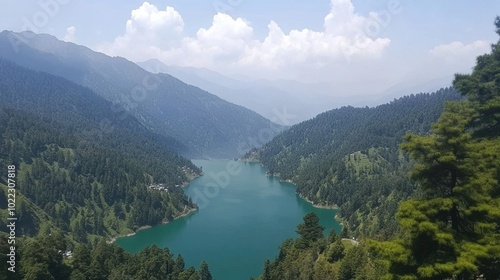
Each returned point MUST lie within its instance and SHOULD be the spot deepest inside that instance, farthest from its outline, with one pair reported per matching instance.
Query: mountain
(286, 102)
(350, 157)
(283, 101)
(402, 88)
(81, 168)
(207, 125)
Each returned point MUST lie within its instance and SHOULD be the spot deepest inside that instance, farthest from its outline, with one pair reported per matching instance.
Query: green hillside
(350, 157)
(71, 172)
(206, 125)
(449, 228)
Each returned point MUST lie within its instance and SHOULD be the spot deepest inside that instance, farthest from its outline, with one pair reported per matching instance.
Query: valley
(115, 170)
(253, 214)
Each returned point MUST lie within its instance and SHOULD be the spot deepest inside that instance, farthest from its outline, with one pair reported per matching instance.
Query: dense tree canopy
(350, 157)
(83, 171)
(315, 257)
(453, 229)
(42, 258)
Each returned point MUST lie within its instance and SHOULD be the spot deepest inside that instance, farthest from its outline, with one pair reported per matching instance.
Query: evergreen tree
(335, 251)
(267, 271)
(482, 88)
(310, 231)
(452, 231)
(81, 262)
(205, 272)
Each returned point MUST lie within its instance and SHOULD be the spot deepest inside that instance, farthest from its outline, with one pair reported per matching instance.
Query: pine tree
(81, 262)
(482, 88)
(453, 230)
(205, 272)
(310, 231)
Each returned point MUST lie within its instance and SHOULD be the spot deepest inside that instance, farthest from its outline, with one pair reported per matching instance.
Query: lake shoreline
(240, 212)
(315, 205)
(319, 206)
(183, 214)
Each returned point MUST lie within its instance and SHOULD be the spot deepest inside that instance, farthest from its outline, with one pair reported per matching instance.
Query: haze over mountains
(72, 161)
(207, 125)
(286, 102)
(91, 144)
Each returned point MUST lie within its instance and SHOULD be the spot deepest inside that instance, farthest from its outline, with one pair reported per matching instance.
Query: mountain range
(287, 102)
(203, 123)
(81, 168)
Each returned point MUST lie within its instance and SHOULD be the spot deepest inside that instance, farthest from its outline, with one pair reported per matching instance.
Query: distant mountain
(402, 89)
(191, 75)
(207, 125)
(80, 167)
(283, 101)
(350, 157)
(301, 101)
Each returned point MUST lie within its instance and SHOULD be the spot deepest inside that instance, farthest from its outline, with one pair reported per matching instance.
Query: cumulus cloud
(455, 57)
(223, 42)
(343, 37)
(445, 60)
(148, 32)
(70, 35)
(231, 42)
(458, 51)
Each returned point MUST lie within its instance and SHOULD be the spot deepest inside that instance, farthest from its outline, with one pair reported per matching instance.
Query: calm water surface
(244, 216)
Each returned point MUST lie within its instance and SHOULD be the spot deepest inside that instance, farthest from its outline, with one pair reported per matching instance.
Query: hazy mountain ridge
(271, 99)
(76, 173)
(298, 100)
(206, 124)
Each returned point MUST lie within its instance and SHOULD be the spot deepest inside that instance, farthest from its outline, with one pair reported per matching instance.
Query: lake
(243, 218)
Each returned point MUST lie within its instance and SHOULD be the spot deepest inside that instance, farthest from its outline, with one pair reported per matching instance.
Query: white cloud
(230, 43)
(223, 42)
(445, 60)
(454, 57)
(343, 37)
(148, 32)
(456, 52)
(70, 35)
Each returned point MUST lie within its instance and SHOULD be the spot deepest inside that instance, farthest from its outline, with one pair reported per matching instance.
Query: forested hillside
(80, 167)
(452, 230)
(313, 256)
(42, 258)
(449, 228)
(207, 125)
(350, 157)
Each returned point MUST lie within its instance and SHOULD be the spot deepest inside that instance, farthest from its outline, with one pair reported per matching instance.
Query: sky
(355, 47)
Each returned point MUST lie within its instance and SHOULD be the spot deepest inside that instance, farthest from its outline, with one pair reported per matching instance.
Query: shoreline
(319, 206)
(183, 214)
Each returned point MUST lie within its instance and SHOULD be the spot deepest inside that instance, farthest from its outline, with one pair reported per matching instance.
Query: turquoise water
(244, 216)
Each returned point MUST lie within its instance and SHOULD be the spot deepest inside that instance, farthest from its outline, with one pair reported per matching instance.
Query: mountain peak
(206, 124)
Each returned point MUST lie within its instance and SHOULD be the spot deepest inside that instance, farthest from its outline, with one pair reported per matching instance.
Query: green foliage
(334, 262)
(42, 258)
(202, 123)
(452, 230)
(310, 231)
(205, 272)
(336, 251)
(350, 157)
(482, 88)
(73, 173)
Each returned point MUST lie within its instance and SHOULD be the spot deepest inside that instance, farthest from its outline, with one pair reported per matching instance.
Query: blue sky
(358, 47)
